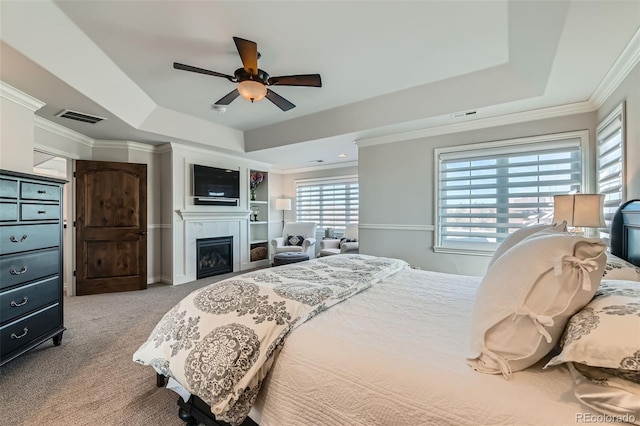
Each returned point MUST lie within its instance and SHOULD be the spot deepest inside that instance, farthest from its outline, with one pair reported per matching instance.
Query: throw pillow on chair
(295, 240)
(347, 240)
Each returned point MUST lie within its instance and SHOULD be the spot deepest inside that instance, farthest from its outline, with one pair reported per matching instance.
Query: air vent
(79, 116)
(463, 114)
(316, 161)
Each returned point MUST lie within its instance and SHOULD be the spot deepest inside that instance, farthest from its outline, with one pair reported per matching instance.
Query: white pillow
(518, 235)
(620, 269)
(527, 296)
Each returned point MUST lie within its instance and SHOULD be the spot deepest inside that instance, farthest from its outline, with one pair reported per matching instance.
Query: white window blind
(331, 203)
(610, 167)
(485, 194)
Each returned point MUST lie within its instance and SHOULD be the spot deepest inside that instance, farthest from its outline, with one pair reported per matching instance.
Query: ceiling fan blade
(311, 80)
(279, 101)
(228, 98)
(184, 67)
(248, 51)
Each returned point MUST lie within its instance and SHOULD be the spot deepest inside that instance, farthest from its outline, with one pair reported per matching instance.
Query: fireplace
(214, 256)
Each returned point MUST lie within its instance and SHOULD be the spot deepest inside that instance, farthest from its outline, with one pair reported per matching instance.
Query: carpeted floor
(90, 379)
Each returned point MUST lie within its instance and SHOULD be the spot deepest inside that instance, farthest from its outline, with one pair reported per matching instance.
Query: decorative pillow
(294, 240)
(601, 346)
(522, 233)
(527, 296)
(606, 332)
(609, 391)
(347, 240)
(620, 269)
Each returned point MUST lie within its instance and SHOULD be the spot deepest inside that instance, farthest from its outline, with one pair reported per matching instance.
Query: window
(610, 167)
(488, 190)
(331, 203)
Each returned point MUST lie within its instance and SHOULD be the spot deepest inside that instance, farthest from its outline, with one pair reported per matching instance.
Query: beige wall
(397, 192)
(22, 132)
(16, 137)
(396, 180)
(629, 92)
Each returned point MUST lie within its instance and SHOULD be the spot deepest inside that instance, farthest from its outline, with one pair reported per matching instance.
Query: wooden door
(111, 227)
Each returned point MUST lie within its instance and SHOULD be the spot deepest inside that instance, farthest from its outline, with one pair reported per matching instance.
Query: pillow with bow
(522, 233)
(527, 297)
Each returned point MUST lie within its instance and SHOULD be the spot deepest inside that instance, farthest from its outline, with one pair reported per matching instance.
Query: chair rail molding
(396, 227)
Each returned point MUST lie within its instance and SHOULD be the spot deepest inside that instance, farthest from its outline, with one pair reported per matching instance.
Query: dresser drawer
(39, 191)
(25, 267)
(28, 298)
(26, 330)
(14, 239)
(8, 212)
(8, 188)
(39, 211)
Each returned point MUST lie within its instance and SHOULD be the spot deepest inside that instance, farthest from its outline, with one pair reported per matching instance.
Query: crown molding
(19, 97)
(315, 168)
(164, 148)
(56, 128)
(627, 60)
(129, 146)
(482, 123)
(189, 150)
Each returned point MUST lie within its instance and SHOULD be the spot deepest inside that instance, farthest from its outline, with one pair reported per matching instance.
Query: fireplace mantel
(203, 215)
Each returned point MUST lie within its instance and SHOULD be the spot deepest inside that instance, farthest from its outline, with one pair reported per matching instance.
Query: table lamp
(579, 211)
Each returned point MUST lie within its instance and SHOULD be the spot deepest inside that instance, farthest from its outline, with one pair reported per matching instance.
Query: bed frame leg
(186, 417)
(160, 379)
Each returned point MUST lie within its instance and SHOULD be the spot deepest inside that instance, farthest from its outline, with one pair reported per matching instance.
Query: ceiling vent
(79, 116)
(463, 114)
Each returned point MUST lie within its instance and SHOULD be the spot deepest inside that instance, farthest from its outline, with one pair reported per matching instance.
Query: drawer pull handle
(24, 333)
(15, 240)
(42, 211)
(24, 302)
(22, 270)
(40, 191)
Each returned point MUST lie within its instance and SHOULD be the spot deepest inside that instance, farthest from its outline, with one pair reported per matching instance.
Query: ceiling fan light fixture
(252, 90)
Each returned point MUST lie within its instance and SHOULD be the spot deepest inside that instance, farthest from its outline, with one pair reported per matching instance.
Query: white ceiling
(386, 66)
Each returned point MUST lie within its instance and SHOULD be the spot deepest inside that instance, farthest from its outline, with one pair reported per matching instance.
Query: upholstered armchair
(296, 237)
(347, 244)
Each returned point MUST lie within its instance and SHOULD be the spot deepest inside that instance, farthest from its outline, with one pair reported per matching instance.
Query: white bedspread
(395, 355)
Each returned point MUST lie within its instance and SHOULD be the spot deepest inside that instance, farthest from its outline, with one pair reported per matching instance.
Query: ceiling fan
(252, 81)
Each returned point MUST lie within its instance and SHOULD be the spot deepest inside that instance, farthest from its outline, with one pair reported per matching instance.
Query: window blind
(486, 194)
(609, 135)
(331, 203)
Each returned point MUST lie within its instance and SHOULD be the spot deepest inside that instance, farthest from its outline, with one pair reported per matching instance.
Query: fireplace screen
(214, 256)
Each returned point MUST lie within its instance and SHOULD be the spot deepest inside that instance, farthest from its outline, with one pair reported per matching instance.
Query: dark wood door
(111, 227)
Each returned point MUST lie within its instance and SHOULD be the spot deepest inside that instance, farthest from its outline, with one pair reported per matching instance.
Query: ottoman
(289, 257)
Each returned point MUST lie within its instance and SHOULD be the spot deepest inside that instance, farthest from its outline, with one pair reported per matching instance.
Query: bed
(393, 350)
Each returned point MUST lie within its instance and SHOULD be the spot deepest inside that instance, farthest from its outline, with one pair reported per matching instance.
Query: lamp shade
(579, 210)
(283, 204)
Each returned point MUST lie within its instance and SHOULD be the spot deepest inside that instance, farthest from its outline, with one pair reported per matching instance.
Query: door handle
(143, 232)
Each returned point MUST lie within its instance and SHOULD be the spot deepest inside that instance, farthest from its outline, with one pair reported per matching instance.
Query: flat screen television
(212, 182)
